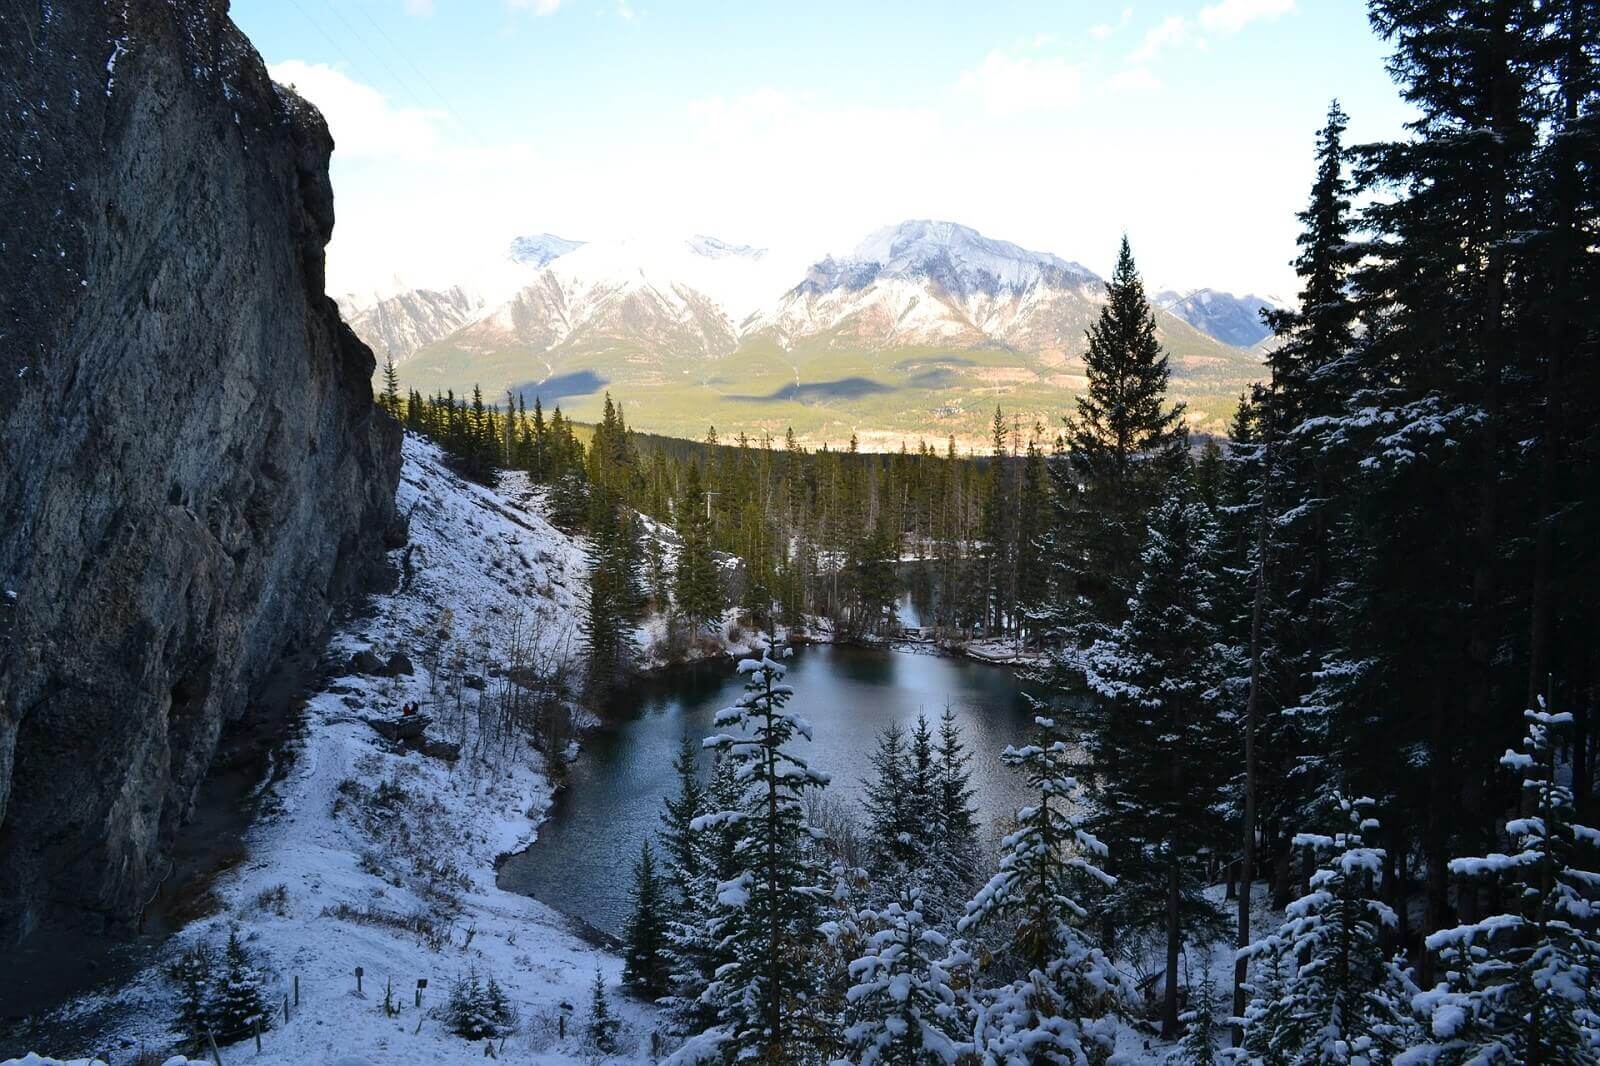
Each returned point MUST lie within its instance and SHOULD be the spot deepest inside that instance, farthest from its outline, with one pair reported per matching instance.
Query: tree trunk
(1169, 1002)
(1247, 871)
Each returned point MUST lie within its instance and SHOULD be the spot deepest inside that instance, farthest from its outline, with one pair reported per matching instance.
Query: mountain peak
(713, 248)
(957, 257)
(540, 248)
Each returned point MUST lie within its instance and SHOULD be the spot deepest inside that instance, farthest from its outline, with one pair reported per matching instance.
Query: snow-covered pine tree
(695, 949)
(1524, 984)
(1161, 737)
(193, 972)
(767, 911)
(647, 966)
(1270, 1038)
(903, 1009)
(1344, 1002)
(478, 1007)
(1199, 1044)
(603, 1024)
(239, 999)
(1055, 1012)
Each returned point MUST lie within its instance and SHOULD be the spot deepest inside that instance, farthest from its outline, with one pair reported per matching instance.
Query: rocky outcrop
(193, 475)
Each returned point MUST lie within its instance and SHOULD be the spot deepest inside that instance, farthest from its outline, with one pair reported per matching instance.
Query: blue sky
(1187, 123)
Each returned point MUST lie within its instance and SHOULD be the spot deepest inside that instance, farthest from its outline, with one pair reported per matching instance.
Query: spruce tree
(646, 965)
(1524, 984)
(1123, 444)
(891, 816)
(697, 589)
(1343, 1000)
(1199, 1044)
(239, 999)
(1158, 734)
(903, 1007)
(1037, 901)
(767, 911)
(955, 851)
(604, 1026)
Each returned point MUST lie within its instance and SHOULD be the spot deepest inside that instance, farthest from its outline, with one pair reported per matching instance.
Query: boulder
(398, 665)
(366, 662)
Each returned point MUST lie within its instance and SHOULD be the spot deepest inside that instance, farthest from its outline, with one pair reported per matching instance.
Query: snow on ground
(381, 858)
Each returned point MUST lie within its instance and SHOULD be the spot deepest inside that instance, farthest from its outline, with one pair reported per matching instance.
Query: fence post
(286, 1008)
(215, 1054)
(296, 990)
(359, 974)
(258, 1034)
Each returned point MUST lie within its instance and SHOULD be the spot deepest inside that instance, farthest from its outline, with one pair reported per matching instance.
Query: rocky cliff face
(192, 473)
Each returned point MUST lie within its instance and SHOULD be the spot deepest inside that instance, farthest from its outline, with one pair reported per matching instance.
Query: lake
(582, 862)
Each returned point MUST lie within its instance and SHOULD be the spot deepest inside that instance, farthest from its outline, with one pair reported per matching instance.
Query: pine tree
(1344, 1001)
(1199, 1044)
(603, 1025)
(1123, 445)
(1056, 1011)
(478, 1008)
(768, 910)
(646, 966)
(1524, 984)
(391, 387)
(903, 1007)
(239, 999)
(955, 829)
(1157, 734)
(891, 816)
(1270, 1037)
(696, 586)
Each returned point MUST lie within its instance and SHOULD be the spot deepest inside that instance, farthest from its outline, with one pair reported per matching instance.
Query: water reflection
(582, 861)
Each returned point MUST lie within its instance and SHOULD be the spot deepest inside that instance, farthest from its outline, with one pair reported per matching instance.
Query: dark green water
(582, 862)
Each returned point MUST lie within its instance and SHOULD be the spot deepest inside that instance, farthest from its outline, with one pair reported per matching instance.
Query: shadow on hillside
(814, 391)
(555, 389)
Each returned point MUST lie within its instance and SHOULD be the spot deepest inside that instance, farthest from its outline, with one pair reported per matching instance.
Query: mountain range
(919, 331)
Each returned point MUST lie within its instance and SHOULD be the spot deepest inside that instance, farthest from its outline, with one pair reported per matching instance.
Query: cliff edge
(193, 475)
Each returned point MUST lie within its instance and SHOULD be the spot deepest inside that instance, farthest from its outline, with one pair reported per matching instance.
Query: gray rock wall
(193, 475)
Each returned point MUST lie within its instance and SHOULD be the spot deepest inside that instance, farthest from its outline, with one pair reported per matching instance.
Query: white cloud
(538, 7)
(364, 123)
(419, 7)
(1106, 29)
(1012, 85)
(1231, 16)
(1169, 32)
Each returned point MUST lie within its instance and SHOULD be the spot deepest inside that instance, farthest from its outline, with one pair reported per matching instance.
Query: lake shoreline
(587, 838)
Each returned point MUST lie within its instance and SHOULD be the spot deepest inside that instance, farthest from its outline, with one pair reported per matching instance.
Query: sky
(1059, 125)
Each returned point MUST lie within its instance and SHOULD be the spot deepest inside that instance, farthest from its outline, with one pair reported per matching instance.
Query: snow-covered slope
(1231, 319)
(383, 858)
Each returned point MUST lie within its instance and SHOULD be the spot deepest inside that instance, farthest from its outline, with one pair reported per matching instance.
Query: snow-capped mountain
(541, 249)
(1231, 319)
(674, 298)
(401, 325)
(919, 324)
(926, 282)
